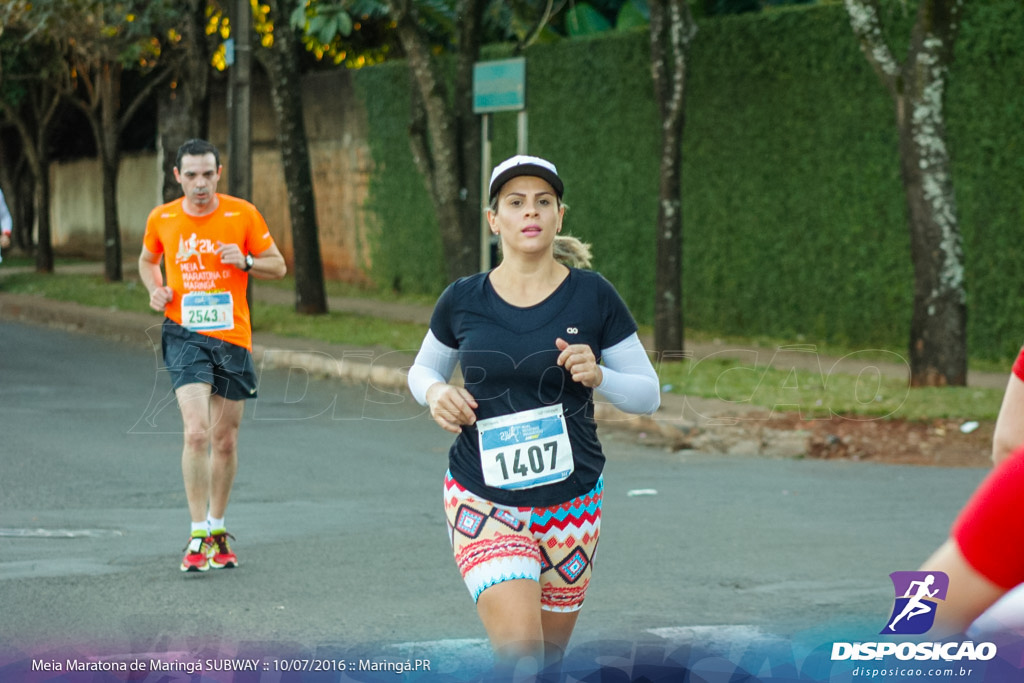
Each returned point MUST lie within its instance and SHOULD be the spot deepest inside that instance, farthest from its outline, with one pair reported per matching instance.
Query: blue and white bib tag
(525, 449)
(204, 312)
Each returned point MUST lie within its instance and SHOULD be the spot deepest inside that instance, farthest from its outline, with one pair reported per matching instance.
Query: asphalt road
(341, 537)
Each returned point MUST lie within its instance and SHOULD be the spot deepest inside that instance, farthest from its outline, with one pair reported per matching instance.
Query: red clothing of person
(990, 528)
(189, 244)
(1018, 365)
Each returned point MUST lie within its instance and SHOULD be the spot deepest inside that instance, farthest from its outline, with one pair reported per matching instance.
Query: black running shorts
(191, 357)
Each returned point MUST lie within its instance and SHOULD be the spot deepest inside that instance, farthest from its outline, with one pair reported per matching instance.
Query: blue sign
(499, 85)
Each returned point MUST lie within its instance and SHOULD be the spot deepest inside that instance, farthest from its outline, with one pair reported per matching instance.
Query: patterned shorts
(553, 545)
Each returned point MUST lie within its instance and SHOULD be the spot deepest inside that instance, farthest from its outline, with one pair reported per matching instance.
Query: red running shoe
(220, 552)
(197, 555)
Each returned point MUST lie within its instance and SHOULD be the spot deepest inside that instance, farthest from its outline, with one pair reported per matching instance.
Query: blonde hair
(571, 252)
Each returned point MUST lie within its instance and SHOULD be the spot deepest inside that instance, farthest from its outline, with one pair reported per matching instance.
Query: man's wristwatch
(249, 261)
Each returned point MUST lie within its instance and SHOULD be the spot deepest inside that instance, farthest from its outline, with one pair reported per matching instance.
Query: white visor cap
(522, 164)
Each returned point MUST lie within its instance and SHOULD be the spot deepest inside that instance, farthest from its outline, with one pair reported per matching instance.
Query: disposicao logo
(918, 595)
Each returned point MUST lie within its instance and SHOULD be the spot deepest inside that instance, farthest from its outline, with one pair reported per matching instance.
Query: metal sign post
(498, 85)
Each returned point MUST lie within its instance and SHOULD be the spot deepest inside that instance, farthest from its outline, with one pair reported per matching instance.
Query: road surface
(341, 538)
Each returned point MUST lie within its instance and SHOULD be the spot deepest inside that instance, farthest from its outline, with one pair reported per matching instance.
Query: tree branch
(141, 97)
(658, 66)
(418, 138)
(539, 25)
(864, 19)
(28, 145)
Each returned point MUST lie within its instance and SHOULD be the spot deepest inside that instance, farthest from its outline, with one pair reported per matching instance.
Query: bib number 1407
(534, 457)
(525, 449)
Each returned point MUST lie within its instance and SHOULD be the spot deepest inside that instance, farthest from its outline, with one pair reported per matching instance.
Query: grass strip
(813, 394)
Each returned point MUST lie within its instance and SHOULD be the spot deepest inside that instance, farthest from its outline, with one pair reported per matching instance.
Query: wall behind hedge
(794, 219)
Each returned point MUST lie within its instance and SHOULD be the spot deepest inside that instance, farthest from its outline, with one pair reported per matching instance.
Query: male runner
(210, 244)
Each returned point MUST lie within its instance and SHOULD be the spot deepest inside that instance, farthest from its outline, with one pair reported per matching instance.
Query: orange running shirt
(188, 244)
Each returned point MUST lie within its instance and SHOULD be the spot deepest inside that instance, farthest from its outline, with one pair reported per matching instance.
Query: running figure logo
(917, 598)
(187, 248)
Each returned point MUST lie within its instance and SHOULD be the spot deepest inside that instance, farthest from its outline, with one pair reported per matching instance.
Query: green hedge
(794, 217)
(405, 244)
(986, 126)
(793, 209)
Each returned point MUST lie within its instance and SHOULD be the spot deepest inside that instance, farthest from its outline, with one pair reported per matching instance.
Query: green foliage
(336, 31)
(583, 20)
(130, 295)
(716, 7)
(405, 243)
(602, 133)
(17, 57)
(338, 328)
(88, 290)
(632, 15)
(987, 148)
(122, 32)
(825, 393)
(322, 21)
(791, 177)
(793, 209)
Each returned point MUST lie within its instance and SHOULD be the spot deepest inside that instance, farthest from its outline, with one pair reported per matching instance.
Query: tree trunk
(110, 154)
(445, 141)
(112, 269)
(467, 132)
(183, 106)
(26, 214)
(44, 247)
(938, 328)
(668, 285)
(672, 29)
(33, 132)
(46, 109)
(175, 125)
(19, 179)
(285, 87)
(40, 162)
(100, 79)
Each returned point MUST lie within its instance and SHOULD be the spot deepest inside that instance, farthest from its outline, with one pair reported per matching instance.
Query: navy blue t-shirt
(509, 363)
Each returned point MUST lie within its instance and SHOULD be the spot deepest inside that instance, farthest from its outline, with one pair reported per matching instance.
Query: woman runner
(534, 338)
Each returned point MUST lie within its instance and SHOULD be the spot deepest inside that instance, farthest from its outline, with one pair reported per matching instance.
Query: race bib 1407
(525, 449)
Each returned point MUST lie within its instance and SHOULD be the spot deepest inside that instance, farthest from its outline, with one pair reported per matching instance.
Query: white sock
(200, 528)
(216, 524)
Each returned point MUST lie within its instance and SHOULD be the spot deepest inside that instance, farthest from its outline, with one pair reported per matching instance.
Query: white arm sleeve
(434, 363)
(6, 225)
(630, 382)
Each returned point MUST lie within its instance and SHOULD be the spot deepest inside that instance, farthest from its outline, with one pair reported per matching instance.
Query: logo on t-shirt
(918, 595)
(191, 247)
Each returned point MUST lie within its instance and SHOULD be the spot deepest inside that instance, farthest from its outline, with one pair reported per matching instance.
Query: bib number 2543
(525, 449)
(203, 311)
